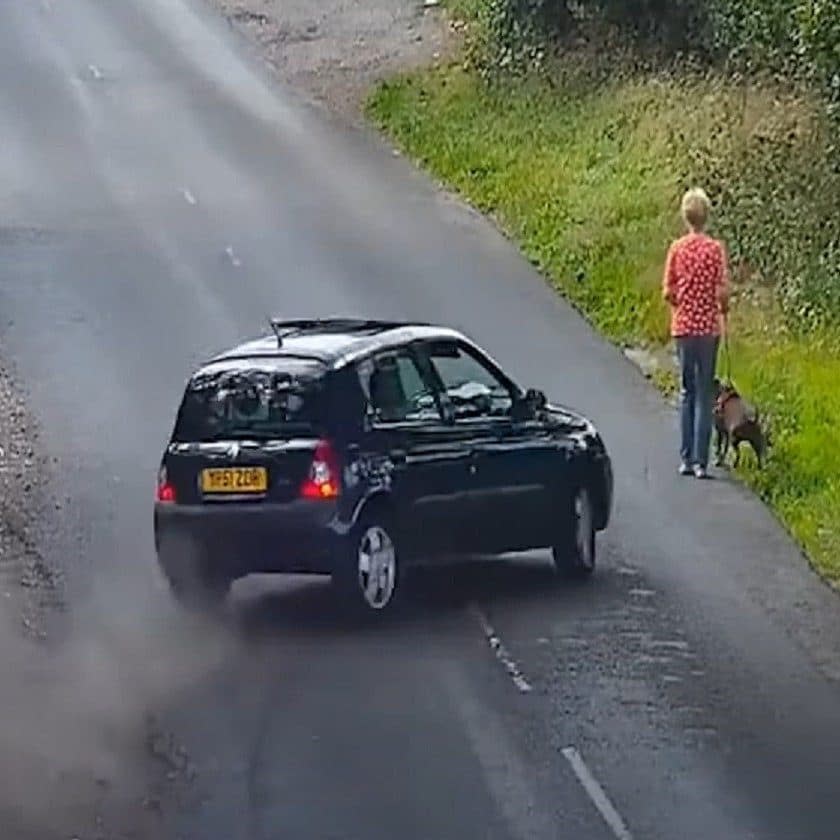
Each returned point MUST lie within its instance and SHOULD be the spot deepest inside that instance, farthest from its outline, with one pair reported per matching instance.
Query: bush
(514, 37)
(768, 165)
(794, 39)
(511, 37)
(674, 25)
(753, 35)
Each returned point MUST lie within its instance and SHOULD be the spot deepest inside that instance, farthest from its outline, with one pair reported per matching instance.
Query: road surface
(159, 198)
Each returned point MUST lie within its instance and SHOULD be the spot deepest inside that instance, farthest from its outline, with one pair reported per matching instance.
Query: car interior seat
(387, 394)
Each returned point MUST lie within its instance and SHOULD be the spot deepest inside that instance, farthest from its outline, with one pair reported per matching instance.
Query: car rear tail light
(165, 489)
(323, 480)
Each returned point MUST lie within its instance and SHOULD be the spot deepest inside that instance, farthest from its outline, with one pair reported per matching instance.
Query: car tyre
(575, 553)
(369, 573)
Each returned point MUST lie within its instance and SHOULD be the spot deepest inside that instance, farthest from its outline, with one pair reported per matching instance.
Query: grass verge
(586, 179)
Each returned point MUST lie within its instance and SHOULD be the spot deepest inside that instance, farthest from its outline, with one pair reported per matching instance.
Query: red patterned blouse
(696, 284)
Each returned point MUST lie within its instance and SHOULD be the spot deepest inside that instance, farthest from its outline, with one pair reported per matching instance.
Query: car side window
(472, 388)
(396, 390)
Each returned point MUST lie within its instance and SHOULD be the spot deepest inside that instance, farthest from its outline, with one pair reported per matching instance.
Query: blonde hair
(696, 208)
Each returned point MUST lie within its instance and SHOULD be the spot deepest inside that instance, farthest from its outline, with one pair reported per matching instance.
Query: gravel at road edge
(336, 50)
(29, 582)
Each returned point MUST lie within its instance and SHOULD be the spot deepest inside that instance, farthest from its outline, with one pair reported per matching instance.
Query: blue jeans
(697, 355)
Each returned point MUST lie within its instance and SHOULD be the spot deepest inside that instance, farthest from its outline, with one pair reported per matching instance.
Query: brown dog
(736, 422)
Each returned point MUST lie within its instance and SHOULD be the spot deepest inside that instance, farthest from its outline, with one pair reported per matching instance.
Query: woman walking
(696, 285)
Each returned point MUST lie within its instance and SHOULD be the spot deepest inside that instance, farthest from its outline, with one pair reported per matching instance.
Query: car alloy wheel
(376, 567)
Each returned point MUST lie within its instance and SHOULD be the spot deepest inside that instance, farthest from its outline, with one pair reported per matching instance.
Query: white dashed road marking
(596, 793)
(189, 197)
(95, 72)
(668, 644)
(234, 260)
(500, 650)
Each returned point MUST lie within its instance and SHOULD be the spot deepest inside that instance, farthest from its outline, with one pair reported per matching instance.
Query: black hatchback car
(357, 449)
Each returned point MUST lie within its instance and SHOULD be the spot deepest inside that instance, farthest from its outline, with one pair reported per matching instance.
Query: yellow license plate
(234, 480)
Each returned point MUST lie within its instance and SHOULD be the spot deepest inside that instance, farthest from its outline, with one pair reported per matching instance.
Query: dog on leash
(736, 422)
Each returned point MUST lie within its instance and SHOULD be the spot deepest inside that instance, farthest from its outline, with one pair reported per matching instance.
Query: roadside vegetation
(578, 126)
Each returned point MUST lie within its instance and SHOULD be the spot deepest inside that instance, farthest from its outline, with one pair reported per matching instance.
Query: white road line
(596, 793)
(500, 650)
(189, 197)
(95, 72)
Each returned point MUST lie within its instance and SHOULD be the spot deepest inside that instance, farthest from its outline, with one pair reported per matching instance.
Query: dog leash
(727, 357)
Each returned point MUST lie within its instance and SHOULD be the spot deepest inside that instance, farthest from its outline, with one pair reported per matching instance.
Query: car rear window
(253, 399)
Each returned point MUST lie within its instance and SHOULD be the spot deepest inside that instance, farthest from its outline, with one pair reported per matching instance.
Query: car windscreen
(253, 399)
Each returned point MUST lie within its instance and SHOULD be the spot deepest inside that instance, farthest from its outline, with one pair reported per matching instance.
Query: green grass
(587, 182)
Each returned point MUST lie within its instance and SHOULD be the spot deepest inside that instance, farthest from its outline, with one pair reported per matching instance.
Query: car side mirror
(536, 399)
(529, 404)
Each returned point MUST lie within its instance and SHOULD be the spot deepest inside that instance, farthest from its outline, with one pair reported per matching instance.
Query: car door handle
(472, 461)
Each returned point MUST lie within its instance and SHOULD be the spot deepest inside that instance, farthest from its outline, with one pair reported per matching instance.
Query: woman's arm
(669, 279)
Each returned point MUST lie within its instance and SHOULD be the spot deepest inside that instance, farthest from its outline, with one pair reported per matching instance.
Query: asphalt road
(158, 199)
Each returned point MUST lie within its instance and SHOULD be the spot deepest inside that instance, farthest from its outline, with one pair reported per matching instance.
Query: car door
(514, 458)
(425, 461)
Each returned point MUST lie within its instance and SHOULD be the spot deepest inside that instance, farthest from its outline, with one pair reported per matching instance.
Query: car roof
(333, 342)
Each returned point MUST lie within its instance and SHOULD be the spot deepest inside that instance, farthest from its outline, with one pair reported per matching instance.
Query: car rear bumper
(244, 538)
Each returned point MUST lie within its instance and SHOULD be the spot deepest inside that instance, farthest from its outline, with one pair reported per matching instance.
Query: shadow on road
(309, 607)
